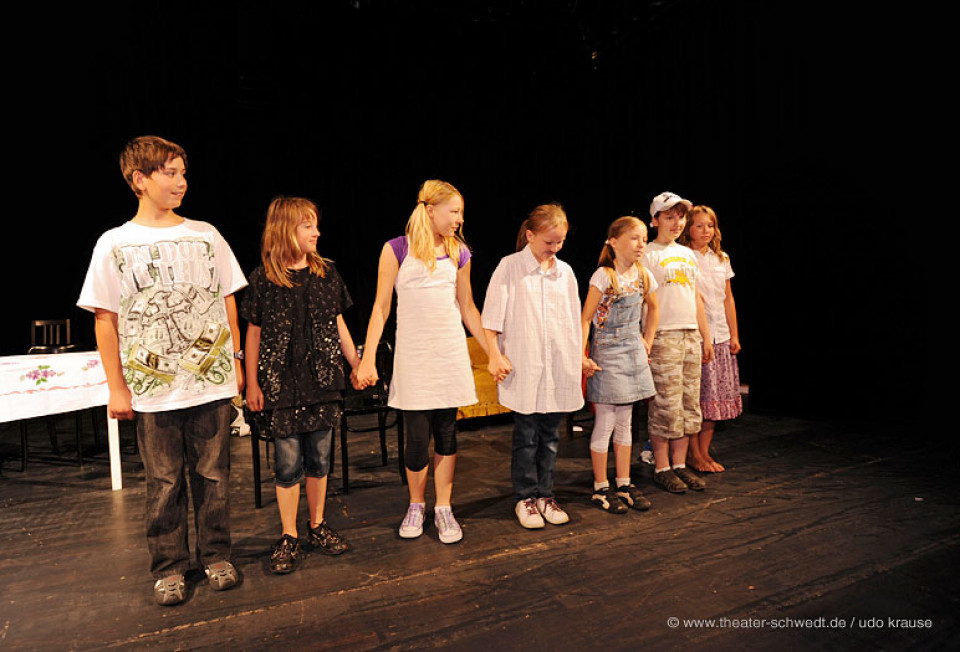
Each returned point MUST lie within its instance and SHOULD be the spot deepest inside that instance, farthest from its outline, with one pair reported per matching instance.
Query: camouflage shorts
(675, 363)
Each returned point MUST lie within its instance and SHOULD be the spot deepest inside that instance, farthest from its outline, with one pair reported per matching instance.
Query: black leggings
(419, 425)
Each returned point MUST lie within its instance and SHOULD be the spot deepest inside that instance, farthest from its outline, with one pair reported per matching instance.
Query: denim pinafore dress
(617, 347)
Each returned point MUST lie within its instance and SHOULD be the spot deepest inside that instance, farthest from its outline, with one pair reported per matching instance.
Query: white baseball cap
(665, 201)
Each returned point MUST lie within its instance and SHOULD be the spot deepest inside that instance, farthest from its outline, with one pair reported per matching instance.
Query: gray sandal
(222, 575)
(170, 590)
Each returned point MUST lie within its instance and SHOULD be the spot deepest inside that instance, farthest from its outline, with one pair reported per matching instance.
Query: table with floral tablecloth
(39, 385)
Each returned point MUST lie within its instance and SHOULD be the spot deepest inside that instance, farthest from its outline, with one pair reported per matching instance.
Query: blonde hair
(608, 255)
(541, 218)
(714, 244)
(280, 246)
(420, 231)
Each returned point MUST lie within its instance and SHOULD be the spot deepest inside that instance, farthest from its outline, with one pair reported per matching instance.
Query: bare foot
(696, 462)
(715, 466)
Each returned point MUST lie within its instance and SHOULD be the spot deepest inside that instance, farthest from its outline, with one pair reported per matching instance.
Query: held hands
(364, 375)
(499, 367)
(354, 382)
(589, 367)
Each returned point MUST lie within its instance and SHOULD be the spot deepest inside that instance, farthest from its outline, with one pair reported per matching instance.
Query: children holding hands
(161, 287)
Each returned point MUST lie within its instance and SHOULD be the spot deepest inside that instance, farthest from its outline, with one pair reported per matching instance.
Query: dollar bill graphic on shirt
(151, 363)
(201, 355)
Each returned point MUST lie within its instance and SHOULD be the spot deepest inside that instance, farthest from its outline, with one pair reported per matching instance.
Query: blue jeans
(176, 445)
(306, 454)
(536, 439)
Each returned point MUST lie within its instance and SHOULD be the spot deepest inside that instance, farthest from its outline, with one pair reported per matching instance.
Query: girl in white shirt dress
(531, 315)
(429, 268)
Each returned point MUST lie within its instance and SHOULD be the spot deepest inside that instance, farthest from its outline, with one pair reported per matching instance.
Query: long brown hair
(542, 217)
(280, 246)
(714, 244)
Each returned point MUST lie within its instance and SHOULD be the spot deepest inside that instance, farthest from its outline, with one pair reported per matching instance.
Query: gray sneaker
(221, 575)
(170, 590)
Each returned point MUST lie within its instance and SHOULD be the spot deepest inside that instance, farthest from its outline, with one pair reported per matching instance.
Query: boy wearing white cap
(681, 344)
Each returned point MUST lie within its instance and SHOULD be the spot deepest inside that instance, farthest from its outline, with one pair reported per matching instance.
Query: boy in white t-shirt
(161, 288)
(681, 341)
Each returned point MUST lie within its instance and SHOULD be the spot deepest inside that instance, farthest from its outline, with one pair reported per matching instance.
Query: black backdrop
(779, 115)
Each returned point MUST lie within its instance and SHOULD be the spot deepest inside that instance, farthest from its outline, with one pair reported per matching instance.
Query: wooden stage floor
(826, 535)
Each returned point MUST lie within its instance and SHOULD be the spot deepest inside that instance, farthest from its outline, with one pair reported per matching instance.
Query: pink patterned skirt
(720, 385)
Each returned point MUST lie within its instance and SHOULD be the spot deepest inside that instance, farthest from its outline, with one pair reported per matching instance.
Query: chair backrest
(384, 361)
(50, 335)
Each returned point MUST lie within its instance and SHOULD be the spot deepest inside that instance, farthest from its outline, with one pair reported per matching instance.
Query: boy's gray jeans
(189, 443)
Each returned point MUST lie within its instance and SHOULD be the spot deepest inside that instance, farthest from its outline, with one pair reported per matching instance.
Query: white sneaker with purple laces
(447, 525)
(412, 525)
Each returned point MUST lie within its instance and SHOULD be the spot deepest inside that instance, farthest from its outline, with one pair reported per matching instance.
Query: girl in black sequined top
(296, 336)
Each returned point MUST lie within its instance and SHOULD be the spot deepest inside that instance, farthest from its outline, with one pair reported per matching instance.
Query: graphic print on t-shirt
(677, 270)
(171, 321)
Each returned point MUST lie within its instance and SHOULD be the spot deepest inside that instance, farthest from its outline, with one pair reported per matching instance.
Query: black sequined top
(300, 369)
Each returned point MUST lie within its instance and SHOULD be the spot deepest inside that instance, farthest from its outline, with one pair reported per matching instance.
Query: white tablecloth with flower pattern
(38, 385)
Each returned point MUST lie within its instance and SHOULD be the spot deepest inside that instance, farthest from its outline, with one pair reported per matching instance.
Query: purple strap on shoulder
(400, 249)
(399, 246)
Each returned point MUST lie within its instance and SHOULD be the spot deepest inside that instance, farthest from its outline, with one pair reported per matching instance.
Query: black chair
(50, 336)
(258, 433)
(372, 400)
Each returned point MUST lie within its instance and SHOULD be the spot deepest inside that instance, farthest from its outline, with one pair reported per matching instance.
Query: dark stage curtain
(775, 114)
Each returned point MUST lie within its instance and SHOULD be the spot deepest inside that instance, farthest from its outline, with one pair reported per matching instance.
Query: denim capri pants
(303, 455)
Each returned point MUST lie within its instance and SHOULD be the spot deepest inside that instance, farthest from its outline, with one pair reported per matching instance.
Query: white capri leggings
(611, 419)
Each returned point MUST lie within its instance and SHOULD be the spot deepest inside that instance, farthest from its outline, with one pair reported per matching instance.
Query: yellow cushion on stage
(486, 386)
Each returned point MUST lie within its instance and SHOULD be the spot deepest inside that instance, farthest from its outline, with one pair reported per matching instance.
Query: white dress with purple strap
(431, 367)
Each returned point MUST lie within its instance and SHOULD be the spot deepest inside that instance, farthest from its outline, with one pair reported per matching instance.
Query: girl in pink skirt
(720, 378)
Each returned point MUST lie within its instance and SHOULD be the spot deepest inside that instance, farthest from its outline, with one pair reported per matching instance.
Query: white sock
(679, 466)
(666, 468)
(597, 486)
(622, 482)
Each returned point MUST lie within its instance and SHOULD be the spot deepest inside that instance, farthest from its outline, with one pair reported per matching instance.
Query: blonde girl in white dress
(429, 267)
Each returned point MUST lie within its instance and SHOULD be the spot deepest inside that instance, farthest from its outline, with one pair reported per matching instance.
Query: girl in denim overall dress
(620, 375)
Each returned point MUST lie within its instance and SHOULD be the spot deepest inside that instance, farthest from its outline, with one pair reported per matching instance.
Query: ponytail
(419, 230)
(608, 255)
